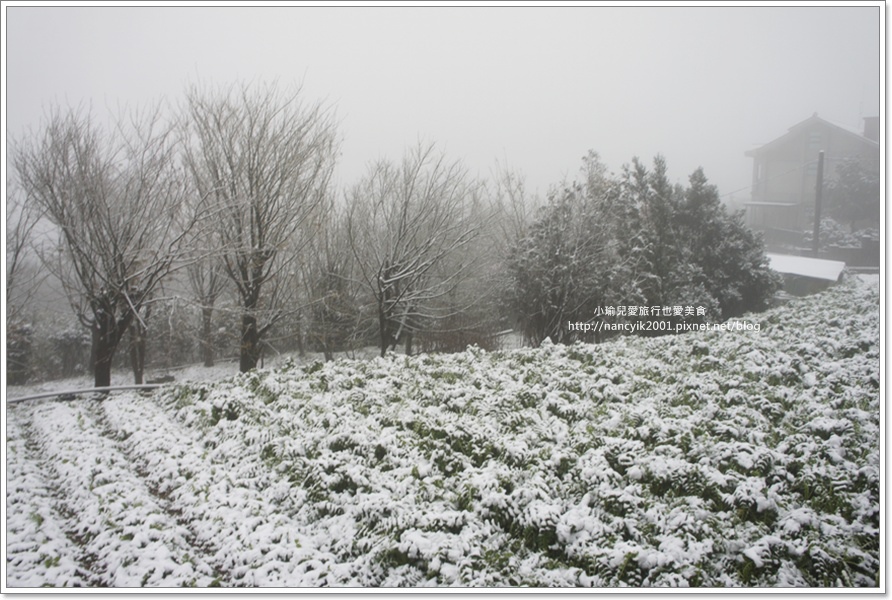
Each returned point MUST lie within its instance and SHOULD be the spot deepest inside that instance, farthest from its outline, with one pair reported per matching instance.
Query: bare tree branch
(115, 202)
(264, 160)
(405, 224)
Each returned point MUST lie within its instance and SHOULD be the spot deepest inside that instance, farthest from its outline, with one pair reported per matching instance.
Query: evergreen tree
(567, 265)
(634, 240)
(728, 258)
(667, 273)
(855, 194)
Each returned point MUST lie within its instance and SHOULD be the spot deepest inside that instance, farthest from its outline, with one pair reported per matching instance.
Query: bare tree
(114, 201)
(405, 224)
(514, 210)
(264, 160)
(207, 281)
(22, 275)
(328, 280)
(23, 278)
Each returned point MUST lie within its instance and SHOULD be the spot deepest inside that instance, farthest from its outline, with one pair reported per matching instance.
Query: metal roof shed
(804, 275)
(803, 266)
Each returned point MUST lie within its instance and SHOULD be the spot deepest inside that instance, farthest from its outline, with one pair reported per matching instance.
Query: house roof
(795, 129)
(816, 268)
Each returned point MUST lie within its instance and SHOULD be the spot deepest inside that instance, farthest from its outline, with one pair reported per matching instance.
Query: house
(785, 172)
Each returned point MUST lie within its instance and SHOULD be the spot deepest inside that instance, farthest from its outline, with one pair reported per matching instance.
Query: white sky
(531, 88)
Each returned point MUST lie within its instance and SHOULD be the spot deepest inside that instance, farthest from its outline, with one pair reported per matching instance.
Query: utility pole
(819, 188)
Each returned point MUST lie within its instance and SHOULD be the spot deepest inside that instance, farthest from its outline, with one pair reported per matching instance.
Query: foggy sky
(530, 88)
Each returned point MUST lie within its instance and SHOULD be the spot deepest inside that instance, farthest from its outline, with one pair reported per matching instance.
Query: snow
(706, 459)
(804, 266)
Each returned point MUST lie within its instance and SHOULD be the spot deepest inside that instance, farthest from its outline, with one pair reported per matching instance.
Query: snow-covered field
(736, 458)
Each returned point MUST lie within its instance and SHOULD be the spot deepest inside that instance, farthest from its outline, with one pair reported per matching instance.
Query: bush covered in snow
(633, 239)
(741, 458)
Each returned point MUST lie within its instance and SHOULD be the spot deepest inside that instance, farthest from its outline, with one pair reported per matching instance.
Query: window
(814, 142)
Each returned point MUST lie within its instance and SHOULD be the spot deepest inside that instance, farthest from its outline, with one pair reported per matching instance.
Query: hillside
(741, 458)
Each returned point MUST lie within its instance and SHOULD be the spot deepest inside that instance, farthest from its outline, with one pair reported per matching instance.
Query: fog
(528, 88)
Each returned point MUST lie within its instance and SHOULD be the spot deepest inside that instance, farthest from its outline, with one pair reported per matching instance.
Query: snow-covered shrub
(19, 342)
(634, 240)
(732, 459)
(71, 348)
(833, 235)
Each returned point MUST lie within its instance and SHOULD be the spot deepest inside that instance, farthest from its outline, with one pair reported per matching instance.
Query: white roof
(817, 268)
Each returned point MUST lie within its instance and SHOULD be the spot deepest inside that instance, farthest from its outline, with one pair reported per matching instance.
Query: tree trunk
(107, 333)
(301, 351)
(102, 368)
(207, 337)
(384, 331)
(138, 351)
(105, 345)
(94, 344)
(249, 349)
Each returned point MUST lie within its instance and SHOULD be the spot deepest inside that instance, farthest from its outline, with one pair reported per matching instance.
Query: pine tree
(566, 267)
(634, 240)
(729, 259)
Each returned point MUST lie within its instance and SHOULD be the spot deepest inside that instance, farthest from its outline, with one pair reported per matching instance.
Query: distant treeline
(213, 229)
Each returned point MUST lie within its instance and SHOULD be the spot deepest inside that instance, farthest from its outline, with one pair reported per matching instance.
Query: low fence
(72, 394)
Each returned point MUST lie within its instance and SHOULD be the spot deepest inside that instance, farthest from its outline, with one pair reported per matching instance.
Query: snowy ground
(712, 459)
